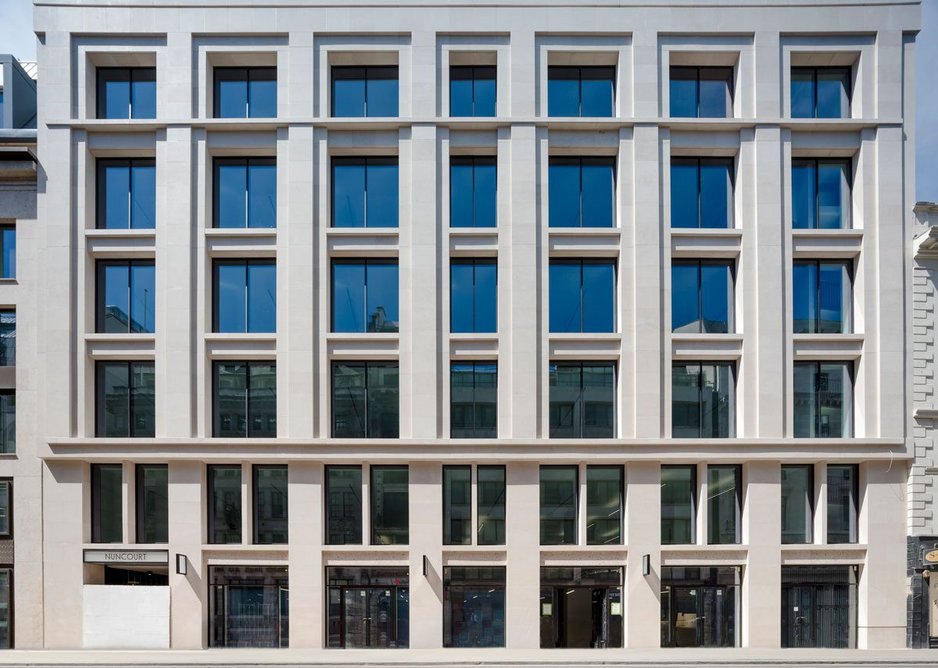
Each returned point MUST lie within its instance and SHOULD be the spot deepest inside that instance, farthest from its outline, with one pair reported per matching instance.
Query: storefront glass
(368, 607)
(249, 606)
(699, 606)
(581, 607)
(473, 607)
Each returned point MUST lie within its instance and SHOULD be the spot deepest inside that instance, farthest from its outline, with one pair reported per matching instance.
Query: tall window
(224, 503)
(245, 192)
(270, 505)
(457, 505)
(7, 421)
(152, 503)
(843, 494)
(389, 505)
(365, 400)
(126, 194)
(580, 91)
(343, 505)
(581, 192)
(126, 296)
(245, 296)
(106, 507)
(472, 90)
(365, 91)
(823, 399)
(126, 92)
(797, 503)
(582, 399)
(559, 493)
(678, 505)
(701, 92)
(702, 193)
(604, 504)
(365, 192)
(820, 92)
(474, 400)
(490, 505)
(703, 400)
(124, 404)
(245, 92)
(473, 295)
(472, 191)
(6, 506)
(364, 295)
(7, 338)
(820, 192)
(245, 400)
(702, 296)
(582, 296)
(473, 606)
(7, 251)
(822, 295)
(724, 504)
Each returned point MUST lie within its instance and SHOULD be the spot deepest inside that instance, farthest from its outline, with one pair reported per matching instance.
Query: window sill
(240, 231)
(243, 547)
(121, 233)
(833, 347)
(549, 550)
(705, 347)
(826, 244)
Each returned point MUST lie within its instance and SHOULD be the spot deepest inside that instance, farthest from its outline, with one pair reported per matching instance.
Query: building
(20, 475)
(923, 475)
(583, 318)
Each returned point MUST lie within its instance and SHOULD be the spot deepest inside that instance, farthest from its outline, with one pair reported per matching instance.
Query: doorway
(819, 606)
(368, 607)
(581, 607)
(249, 606)
(698, 606)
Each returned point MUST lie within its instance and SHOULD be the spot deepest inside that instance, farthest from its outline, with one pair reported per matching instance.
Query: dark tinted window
(7, 338)
(365, 91)
(245, 296)
(8, 251)
(126, 194)
(797, 504)
(245, 92)
(582, 296)
(702, 192)
(702, 296)
(581, 192)
(152, 503)
(701, 92)
(364, 192)
(7, 421)
(473, 400)
(472, 192)
(703, 400)
(820, 192)
(224, 504)
(365, 400)
(472, 91)
(473, 295)
(126, 92)
(473, 606)
(823, 399)
(457, 505)
(106, 507)
(124, 405)
(245, 192)
(364, 296)
(678, 505)
(604, 502)
(270, 505)
(389, 505)
(6, 508)
(580, 91)
(245, 400)
(126, 296)
(843, 492)
(724, 504)
(822, 296)
(559, 493)
(343, 505)
(490, 501)
(582, 400)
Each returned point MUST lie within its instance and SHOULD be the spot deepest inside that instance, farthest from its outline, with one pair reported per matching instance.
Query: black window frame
(694, 503)
(462, 69)
(848, 308)
(211, 506)
(131, 73)
(738, 494)
(577, 500)
(101, 164)
(249, 71)
(855, 499)
(327, 535)
(731, 365)
(99, 299)
(139, 505)
(100, 365)
(3, 268)
(478, 431)
(8, 482)
(850, 366)
(615, 395)
(365, 364)
(846, 222)
(248, 365)
(812, 498)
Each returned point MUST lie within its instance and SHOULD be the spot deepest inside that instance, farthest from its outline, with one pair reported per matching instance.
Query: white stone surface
(125, 617)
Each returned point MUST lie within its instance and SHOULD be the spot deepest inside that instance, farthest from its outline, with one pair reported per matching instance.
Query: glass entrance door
(581, 607)
(370, 616)
(249, 607)
(698, 607)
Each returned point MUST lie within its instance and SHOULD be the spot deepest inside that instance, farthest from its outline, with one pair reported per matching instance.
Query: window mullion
(365, 192)
(365, 407)
(247, 302)
(700, 400)
(247, 402)
(247, 189)
(474, 327)
(130, 399)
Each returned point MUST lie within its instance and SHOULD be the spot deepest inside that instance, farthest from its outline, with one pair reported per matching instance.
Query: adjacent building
(583, 318)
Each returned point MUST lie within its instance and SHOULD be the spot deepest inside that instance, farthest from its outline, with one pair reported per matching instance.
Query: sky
(16, 37)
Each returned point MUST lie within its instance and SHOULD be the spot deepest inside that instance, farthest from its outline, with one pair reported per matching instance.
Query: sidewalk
(471, 657)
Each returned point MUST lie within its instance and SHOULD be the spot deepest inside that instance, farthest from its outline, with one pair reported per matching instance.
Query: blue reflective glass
(113, 95)
(833, 291)
(685, 298)
(715, 193)
(484, 193)
(461, 193)
(143, 92)
(484, 95)
(115, 195)
(598, 185)
(802, 93)
(348, 96)
(685, 197)
(472, 91)
(804, 297)
(563, 92)
(803, 194)
(114, 312)
(381, 297)
(142, 297)
(231, 195)
(348, 193)
(262, 297)
(382, 92)
(599, 297)
(143, 194)
(231, 92)
(715, 91)
(832, 92)
(8, 259)
(262, 193)
(596, 91)
(462, 291)
(715, 297)
(831, 194)
(230, 312)
(460, 96)
(564, 193)
(262, 92)
(486, 296)
(348, 297)
(565, 307)
(381, 183)
(683, 92)
(1, 108)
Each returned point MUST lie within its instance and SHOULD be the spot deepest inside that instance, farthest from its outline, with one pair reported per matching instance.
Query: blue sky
(16, 37)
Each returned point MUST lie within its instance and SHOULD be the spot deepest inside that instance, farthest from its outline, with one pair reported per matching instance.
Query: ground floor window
(249, 606)
(368, 607)
(6, 607)
(474, 607)
(699, 606)
(819, 606)
(581, 607)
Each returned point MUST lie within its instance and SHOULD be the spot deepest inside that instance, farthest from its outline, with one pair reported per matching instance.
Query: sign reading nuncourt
(118, 556)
